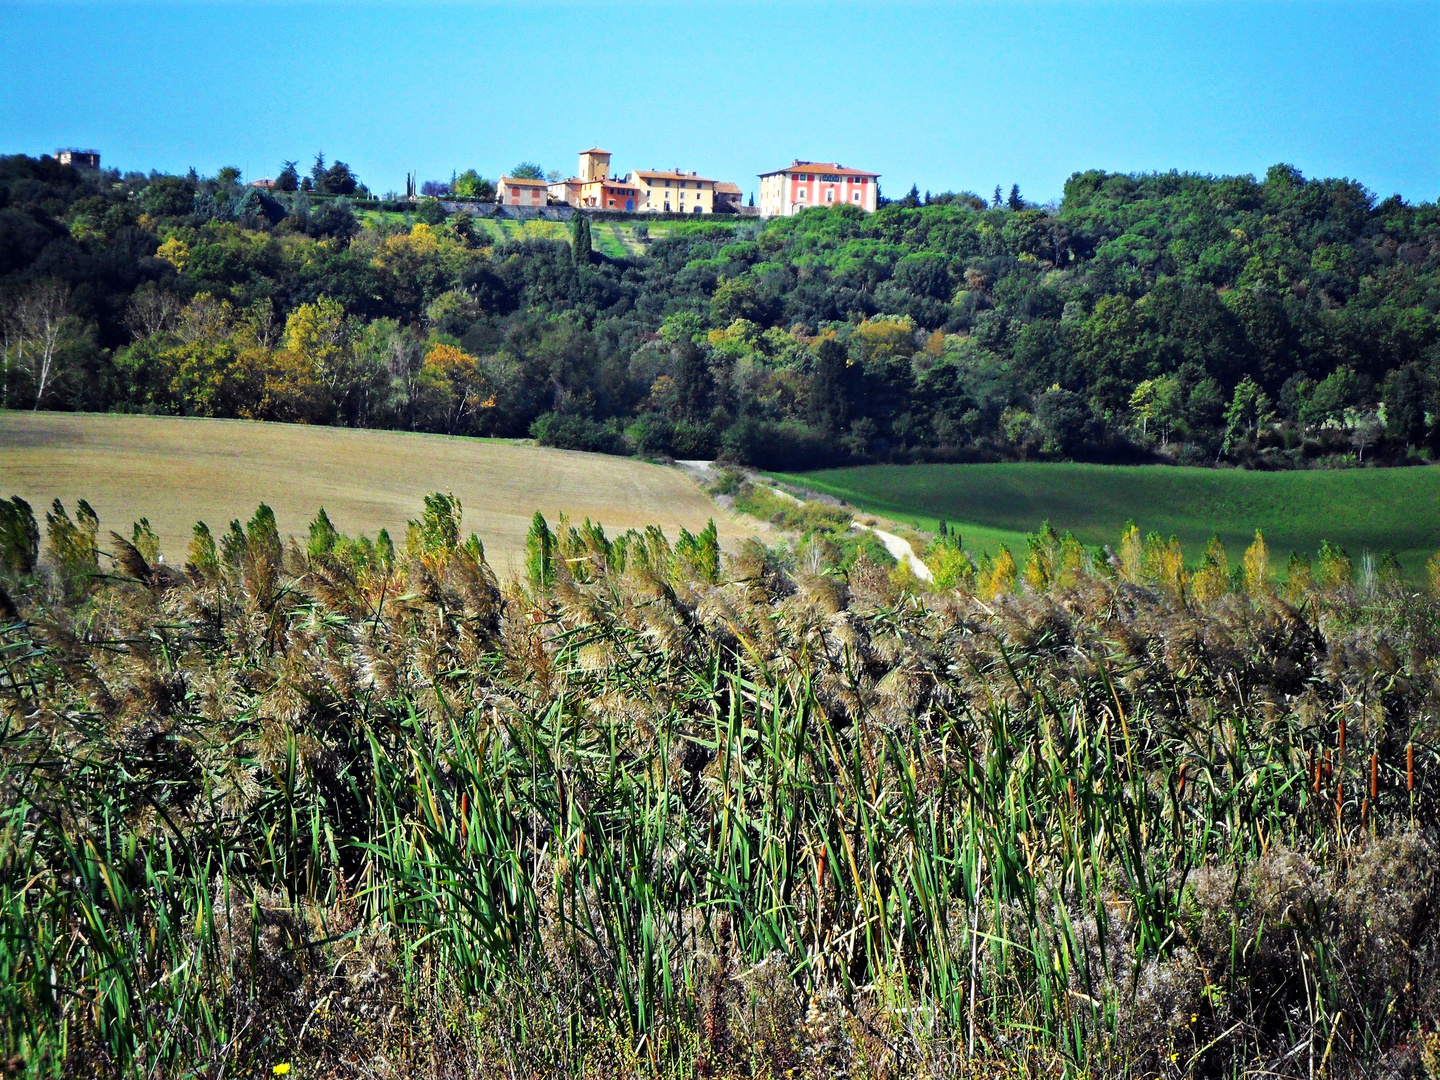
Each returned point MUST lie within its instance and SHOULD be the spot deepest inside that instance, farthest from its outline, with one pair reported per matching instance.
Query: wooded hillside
(1274, 323)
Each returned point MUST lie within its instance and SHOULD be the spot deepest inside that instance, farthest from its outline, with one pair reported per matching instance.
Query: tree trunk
(41, 316)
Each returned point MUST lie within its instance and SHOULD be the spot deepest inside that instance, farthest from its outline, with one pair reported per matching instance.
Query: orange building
(513, 191)
(594, 188)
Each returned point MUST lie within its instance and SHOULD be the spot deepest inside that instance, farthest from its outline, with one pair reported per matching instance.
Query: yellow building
(673, 192)
(642, 191)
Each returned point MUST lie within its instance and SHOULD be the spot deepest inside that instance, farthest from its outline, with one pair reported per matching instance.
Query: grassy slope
(1370, 509)
(175, 470)
(612, 238)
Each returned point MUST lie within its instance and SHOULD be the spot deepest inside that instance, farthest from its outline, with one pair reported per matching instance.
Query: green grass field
(1375, 510)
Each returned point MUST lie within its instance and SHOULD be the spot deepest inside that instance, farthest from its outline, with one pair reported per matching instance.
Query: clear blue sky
(962, 96)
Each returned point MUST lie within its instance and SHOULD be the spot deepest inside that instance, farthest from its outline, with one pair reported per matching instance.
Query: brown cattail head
(1410, 767)
(1374, 776)
(1329, 769)
(1319, 771)
(1341, 741)
(1365, 814)
(1181, 786)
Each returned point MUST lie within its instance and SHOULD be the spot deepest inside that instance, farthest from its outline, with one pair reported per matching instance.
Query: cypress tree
(581, 246)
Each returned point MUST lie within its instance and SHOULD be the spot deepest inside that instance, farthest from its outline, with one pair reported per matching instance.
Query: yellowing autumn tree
(319, 337)
(174, 251)
(886, 336)
(455, 388)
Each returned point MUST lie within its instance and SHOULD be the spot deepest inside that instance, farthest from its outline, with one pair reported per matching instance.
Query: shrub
(578, 433)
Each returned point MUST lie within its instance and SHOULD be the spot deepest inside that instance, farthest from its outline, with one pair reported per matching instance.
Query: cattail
(1341, 741)
(464, 815)
(1410, 767)
(1181, 793)
(1365, 815)
(1329, 767)
(1374, 776)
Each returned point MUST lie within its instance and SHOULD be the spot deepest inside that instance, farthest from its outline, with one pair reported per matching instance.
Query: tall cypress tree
(693, 381)
(830, 389)
(580, 243)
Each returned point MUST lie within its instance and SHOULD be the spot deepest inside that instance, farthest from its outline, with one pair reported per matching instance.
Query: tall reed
(645, 814)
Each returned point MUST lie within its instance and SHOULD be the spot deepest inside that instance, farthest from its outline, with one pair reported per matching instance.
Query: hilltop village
(783, 192)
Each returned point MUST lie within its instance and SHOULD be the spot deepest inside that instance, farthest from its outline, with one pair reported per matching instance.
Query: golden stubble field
(176, 471)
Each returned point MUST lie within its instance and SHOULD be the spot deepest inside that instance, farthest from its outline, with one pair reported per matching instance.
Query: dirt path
(903, 552)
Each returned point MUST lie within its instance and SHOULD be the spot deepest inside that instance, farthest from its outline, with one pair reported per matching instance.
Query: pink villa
(803, 184)
(512, 191)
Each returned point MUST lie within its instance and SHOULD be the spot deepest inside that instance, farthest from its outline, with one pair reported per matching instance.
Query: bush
(790, 446)
(694, 441)
(578, 433)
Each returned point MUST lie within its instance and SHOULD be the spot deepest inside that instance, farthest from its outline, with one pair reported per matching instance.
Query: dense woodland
(1270, 323)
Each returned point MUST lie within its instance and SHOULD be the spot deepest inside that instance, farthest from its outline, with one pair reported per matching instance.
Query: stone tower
(594, 164)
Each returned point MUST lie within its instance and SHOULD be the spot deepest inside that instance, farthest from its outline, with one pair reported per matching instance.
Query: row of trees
(334, 179)
(471, 185)
(1274, 322)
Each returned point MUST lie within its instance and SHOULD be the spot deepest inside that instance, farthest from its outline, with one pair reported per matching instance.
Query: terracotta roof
(523, 182)
(595, 150)
(652, 174)
(725, 187)
(820, 167)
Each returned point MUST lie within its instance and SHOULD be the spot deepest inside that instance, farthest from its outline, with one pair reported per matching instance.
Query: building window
(857, 196)
(829, 194)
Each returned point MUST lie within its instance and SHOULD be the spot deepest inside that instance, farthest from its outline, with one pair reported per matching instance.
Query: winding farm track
(903, 552)
(176, 471)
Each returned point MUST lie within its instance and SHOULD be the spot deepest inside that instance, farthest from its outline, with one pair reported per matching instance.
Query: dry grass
(175, 471)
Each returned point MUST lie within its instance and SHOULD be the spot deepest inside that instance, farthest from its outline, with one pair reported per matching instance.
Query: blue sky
(960, 96)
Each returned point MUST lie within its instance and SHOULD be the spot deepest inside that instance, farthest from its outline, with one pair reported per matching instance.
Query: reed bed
(360, 808)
